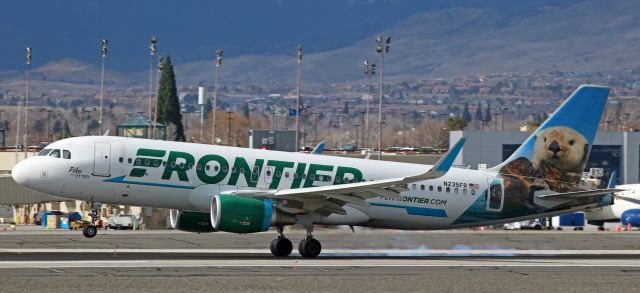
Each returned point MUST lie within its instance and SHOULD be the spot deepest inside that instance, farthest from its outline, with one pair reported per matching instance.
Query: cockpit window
(66, 154)
(55, 154)
(44, 152)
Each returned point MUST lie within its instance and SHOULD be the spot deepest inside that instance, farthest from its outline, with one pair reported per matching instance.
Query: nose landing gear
(91, 231)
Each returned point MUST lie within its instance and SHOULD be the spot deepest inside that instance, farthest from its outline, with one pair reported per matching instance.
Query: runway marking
(294, 263)
(341, 252)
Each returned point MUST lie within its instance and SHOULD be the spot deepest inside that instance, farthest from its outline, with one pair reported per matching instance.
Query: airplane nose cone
(20, 173)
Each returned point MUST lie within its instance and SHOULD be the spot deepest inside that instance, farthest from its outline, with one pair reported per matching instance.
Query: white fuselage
(186, 176)
(614, 211)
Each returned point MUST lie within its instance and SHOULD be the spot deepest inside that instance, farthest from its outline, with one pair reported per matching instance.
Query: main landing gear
(308, 247)
(281, 246)
(91, 231)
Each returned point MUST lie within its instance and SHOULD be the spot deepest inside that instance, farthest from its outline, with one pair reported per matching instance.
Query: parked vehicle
(122, 221)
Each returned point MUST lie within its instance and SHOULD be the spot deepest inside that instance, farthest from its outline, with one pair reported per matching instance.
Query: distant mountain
(594, 35)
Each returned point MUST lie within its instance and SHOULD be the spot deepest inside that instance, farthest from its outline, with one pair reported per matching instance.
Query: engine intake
(239, 214)
(197, 222)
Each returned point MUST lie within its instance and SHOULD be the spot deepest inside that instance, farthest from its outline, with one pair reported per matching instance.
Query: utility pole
(404, 129)
(297, 144)
(357, 132)
(49, 138)
(381, 49)
(155, 115)
(369, 71)
(152, 51)
(201, 103)
(103, 51)
(215, 95)
(315, 127)
(229, 127)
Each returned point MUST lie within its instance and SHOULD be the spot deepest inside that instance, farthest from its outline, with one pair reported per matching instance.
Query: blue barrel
(631, 217)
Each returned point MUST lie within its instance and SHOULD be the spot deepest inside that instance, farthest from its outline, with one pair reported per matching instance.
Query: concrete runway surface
(371, 261)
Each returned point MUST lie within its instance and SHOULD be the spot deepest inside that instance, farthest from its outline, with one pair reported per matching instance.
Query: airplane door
(101, 159)
(495, 195)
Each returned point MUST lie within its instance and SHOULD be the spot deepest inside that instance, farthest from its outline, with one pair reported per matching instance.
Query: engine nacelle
(239, 214)
(630, 217)
(197, 222)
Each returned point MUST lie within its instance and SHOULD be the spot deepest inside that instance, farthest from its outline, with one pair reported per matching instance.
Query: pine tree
(487, 113)
(479, 116)
(169, 104)
(208, 106)
(465, 113)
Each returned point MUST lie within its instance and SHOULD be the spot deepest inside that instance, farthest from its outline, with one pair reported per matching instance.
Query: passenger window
(421, 186)
(55, 154)
(295, 175)
(129, 160)
(439, 188)
(164, 163)
(216, 168)
(464, 191)
(156, 163)
(181, 165)
(328, 178)
(448, 189)
(207, 167)
(190, 166)
(147, 162)
(268, 172)
(430, 187)
(44, 152)
(413, 186)
(137, 162)
(66, 154)
(456, 190)
(278, 174)
(473, 192)
(286, 174)
(255, 170)
(304, 176)
(198, 167)
(225, 169)
(233, 169)
(242, 170)
(311, 176)
(121, 159)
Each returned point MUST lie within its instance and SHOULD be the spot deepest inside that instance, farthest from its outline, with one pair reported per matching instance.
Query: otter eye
(545, 139)
(571, 142)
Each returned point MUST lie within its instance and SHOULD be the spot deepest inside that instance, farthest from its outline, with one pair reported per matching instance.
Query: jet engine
(240, 214)
(197, 222)
(630, 217)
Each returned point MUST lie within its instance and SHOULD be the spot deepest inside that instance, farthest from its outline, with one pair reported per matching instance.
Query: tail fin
(612, 180)
(559, 148)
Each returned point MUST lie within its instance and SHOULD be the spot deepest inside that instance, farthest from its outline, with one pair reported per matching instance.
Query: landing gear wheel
(89, 231)
(309, 247)
(281, 247)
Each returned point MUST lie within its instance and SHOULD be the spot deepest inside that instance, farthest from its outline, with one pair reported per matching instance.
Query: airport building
(618, 151)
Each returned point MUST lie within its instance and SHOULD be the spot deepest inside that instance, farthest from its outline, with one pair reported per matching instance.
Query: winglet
(319, 148)
(612, 179)
(442, 166)
(446, 161)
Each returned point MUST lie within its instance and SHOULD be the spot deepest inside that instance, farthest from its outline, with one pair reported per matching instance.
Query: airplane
(211, 188)
(626, 209)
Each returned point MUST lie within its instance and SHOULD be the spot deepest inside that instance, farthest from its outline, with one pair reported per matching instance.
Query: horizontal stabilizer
(577, 194)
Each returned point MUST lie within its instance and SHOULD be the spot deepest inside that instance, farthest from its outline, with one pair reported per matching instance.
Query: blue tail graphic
(559, 148)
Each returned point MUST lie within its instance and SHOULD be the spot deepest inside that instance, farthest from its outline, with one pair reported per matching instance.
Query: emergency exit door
(102, 159)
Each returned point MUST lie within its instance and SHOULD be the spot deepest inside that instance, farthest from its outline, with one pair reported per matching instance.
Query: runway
(174, 261)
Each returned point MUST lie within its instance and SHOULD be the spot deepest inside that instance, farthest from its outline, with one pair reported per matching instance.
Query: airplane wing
(330, 199)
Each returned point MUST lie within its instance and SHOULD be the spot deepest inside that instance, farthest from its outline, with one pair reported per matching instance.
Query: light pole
(26, 103)
(155, 115)
(298, 98)
(369, 71)
(215, 95)
(103, 51)
(201, 103)
(152, 51)
(357, 133)
(382, 49)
